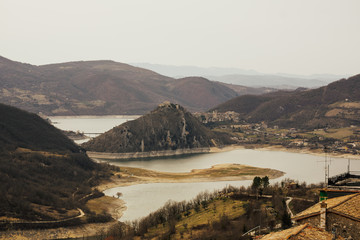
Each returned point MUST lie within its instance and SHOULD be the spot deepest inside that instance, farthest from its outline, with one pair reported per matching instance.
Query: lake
(91, 126)
(144, 198)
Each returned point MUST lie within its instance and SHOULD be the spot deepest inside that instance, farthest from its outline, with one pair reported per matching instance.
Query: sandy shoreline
(316, 152)
(131, 176)
(147, 176)
(220, 172)
(169, 153)
(134, 181)
(95, 116)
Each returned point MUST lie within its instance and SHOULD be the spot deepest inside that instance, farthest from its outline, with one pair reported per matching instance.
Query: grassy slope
(197, 219)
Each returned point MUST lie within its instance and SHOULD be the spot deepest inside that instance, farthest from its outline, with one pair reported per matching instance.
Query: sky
(270, 36)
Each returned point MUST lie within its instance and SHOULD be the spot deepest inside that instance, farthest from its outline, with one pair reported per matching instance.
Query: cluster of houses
(253, 133)
(216, 116)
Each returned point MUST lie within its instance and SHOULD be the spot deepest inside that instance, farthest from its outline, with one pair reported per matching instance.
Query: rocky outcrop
(169, 127)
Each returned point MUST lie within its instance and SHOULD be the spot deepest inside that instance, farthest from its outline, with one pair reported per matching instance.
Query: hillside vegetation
(168, 127)
(224, 214)
(43, 174)
(335, 105)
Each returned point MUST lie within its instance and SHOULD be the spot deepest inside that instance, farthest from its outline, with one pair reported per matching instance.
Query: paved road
(288, 200)
(81, 214)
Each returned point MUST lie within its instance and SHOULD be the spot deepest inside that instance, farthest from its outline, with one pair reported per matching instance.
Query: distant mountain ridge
(102, 87)
(335, 105)
(248, 78)
(270, 81)
(168, 127)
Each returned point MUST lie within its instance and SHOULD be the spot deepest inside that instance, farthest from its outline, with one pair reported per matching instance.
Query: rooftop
(348, 206)
(301, 232)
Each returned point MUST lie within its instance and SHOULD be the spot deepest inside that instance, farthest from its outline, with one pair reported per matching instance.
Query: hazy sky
(290, 36)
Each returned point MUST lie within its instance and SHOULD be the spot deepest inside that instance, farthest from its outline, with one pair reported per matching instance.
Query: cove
(143, 199)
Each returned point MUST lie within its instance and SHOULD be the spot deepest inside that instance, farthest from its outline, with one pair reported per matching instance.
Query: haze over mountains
(249, 78)
(105, 87)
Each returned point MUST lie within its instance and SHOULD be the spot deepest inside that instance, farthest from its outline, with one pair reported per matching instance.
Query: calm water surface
(91, 126)
(144, 198)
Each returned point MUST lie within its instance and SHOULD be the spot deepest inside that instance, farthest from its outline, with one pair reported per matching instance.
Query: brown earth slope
(335, 105)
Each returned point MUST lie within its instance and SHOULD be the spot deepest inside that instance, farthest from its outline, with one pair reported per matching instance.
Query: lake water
(91, 126)
(144, 198)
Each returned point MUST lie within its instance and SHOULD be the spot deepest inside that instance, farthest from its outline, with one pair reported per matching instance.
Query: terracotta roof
(351, 207)
(301, 232)
(348, 205)
(285, 234)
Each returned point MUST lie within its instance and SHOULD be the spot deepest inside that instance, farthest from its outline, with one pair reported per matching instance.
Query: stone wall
(343, 226)
(313, 221)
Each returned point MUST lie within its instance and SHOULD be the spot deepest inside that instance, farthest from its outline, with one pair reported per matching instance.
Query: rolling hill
(103, 87)
(335, 105)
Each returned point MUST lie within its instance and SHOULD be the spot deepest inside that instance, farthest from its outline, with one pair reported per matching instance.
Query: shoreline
(91, 229)
(220, 172)
(265, 147)
(111, 184)
(150, 154)
(132, 176)
(178, 152)
(95, 116)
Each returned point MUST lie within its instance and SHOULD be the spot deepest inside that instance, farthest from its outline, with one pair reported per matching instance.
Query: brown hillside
(336, 105)
(168, 127)
(202, 91)
(101, 87)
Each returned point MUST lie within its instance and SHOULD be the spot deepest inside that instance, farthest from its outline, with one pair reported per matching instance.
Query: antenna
(326, 170)
(326, 167)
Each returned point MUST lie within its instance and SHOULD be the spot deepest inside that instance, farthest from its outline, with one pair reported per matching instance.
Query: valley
(128, 166)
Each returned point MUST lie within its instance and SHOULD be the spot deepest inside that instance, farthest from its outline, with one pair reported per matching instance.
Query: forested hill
(19, 128)
(335, 105)
(168, 127)
(43, 174)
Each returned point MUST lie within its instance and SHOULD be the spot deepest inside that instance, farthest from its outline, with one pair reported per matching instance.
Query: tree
(286, 220)
(119, 194)
(256, 183)
(259, 184)
(265, 181)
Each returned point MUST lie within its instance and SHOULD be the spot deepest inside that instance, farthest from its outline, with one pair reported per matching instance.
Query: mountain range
(334, 105)
(105, 87)
(249, 78)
